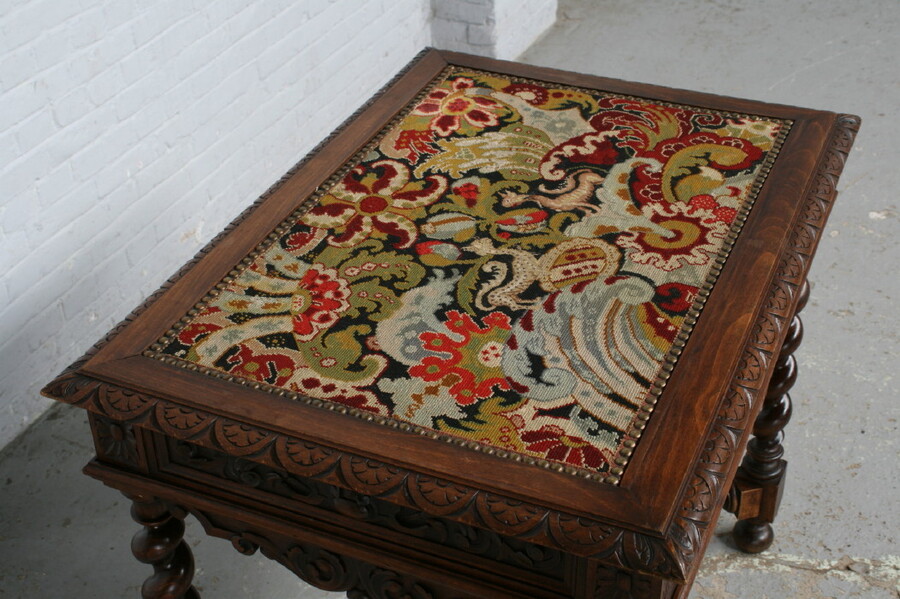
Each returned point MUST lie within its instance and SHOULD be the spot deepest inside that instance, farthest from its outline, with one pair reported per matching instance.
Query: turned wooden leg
(160, 544)
(759, 483)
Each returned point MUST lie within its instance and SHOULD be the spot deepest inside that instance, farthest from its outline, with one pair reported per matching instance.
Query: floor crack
(881, 573)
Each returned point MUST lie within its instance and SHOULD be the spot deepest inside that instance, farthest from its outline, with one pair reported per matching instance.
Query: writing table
(505, 333)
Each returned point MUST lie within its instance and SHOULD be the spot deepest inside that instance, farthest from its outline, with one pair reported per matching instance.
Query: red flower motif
(473, 356)
(707, 202)
(448, 251)
(675, 298)
(417, 143)
(691, 236)
(377, 197)
(657, 323)
(703, 202)
(668, 148)
(452, 109)
(198, 329)
(523, 222)
(320, 298)
(348, 396)
(531, 93)
(554, 444)
(469, 192)
(301, 242)
(271, 368)
(725, 214)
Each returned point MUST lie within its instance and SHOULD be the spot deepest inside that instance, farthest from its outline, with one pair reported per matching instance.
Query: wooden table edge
(103, 396)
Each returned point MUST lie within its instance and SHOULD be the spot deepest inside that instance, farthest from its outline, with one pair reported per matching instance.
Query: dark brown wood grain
(759, 484)
(714, 347)
(160, 544)
(657, 521)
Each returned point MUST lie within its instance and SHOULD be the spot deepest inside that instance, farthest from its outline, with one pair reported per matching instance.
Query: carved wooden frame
(671, 552)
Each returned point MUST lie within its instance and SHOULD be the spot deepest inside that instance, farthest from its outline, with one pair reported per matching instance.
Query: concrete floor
(64, 535)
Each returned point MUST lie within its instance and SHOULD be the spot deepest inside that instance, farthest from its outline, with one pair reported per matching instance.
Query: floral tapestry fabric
(509, 262)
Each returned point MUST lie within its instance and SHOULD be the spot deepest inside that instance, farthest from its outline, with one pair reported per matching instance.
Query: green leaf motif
(515, 152)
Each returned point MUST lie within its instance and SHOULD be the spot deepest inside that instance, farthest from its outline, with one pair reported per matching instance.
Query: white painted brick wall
(496, 28)
(131, 133)
(520, 22)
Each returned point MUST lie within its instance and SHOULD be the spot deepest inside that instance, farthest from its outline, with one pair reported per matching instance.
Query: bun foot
(753, 536)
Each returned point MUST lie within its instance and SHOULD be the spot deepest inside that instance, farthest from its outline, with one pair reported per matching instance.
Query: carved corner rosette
(115, 441)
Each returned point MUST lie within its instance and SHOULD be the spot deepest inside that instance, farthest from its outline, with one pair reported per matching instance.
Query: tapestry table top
(510, 263)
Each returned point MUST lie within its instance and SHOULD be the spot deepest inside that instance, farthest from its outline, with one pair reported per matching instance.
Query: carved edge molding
(431, 495)
(115, 441)
(320, 567)
(707, 492)
(671, 557)
(446, 533)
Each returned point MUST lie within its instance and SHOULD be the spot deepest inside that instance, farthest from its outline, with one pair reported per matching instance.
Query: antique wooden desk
(505, 333)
